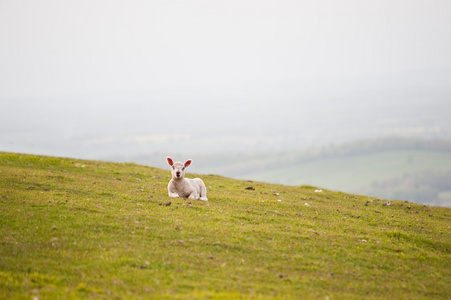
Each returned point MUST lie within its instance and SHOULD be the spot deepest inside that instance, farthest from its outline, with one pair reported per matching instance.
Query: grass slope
(72, 229)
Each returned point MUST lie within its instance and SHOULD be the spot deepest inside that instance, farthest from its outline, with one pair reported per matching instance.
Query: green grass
(72, 229)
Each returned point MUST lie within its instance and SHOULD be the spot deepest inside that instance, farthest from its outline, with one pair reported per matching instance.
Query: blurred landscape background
(351, 96)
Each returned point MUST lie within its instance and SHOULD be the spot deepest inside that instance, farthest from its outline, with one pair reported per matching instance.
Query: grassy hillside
(85, 229)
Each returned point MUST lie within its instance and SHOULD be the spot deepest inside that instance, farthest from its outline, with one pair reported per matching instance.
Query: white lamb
(179, 186)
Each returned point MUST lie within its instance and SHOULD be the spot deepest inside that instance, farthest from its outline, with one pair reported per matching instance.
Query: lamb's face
(178, 170)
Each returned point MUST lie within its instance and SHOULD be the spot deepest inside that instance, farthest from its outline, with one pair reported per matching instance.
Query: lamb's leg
(194, 195)
(203, 190)
(174, 195)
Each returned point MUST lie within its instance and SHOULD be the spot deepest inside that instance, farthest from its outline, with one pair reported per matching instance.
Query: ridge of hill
(73, 229)
(415, 170)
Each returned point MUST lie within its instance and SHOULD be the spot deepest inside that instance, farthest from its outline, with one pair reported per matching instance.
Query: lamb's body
(179, 186)
(187, 188)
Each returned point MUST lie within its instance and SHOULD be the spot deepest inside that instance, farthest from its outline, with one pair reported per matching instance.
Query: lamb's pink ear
(170, 161)
(188, 162)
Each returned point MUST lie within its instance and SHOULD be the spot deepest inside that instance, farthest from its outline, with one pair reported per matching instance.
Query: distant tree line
(235, 164)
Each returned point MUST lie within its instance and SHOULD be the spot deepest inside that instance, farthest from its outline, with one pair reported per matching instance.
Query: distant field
(353, 172)
(356, 173)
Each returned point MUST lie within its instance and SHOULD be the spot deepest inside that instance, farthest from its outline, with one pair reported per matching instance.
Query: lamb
(179, 186)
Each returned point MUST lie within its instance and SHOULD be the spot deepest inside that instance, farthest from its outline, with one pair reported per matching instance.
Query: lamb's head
(178, 169)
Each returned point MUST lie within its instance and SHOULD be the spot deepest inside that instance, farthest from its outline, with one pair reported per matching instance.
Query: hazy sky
(95, 79)
(61, 48)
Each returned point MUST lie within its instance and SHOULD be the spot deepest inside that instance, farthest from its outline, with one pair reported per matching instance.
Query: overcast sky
(61, 48)
(95, 79)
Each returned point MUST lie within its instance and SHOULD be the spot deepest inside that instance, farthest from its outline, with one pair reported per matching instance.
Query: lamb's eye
(183, 169)
(172, 167)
